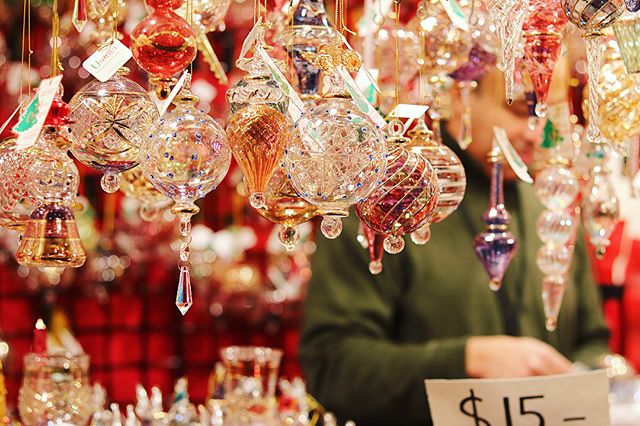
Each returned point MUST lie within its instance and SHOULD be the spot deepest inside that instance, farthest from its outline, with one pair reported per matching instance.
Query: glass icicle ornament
(163, 44)
(600, 207)
(543, 42)
(135, 185)
(508, 16)
(258, 130)
(185, 158)
(51, 236)
(407, 196)
(336, 157)
(556, 187)
(110, 120)
(555, 227)
(553, 287)
(593, 16)
(79, 17)
(496, 245)
(375, 246)
(452, 179)
(627, 31)
(285, 207)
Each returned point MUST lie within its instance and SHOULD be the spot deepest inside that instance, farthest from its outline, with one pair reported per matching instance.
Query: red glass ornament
(163, 44)
(164, 4)
(59, 113)
(543, 42)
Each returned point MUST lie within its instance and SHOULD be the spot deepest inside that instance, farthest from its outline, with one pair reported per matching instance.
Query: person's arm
(593, 335)
(350, 362)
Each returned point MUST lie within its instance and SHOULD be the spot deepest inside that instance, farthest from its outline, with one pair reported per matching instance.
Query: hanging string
(25, 10)
(256, 7)
(56, 66)
(396, 4)
(114, 23)
(291, 13)
(422, 14)
(264, 12)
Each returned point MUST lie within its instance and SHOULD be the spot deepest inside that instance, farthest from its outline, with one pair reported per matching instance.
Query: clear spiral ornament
(555, 227)
(110, 121)
(554, 259)
(556, 187)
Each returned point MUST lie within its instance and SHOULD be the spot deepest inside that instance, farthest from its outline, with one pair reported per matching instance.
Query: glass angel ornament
(627, 30)
(496, 245)
(285, 207)
(508, 16)
(592, 16)
(135, 185)
(51, 236)
(452, 180)
(185, 158)
(110, 120)
(163, 44)
(309, 30)
(600, 206)
(406, 198)
(543, 41)
(336, 157)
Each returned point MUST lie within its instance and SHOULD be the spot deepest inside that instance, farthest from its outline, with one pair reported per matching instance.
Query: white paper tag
(32, 120)
(174, 92)
(579, 399)
(511, 155)
(411, 111)
(296, 106)
(457, 16)
(107, 60)
(360, 99)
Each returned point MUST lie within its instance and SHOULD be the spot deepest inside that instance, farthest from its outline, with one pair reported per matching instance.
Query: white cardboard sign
(579, 399)
(104, 63)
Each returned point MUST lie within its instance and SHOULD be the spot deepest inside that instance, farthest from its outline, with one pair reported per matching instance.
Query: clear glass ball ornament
(555, 226)
(110, 120)
(336, 158)
(554, 259)
(556, 187)
(207, 14)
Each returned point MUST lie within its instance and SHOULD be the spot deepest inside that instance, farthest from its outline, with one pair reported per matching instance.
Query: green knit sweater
(368, 342)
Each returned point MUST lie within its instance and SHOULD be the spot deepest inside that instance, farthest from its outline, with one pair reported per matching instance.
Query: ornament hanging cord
(396, 4)
(56, 66)
(26, 27)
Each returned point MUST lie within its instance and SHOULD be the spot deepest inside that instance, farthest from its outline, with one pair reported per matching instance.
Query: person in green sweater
(369, 341)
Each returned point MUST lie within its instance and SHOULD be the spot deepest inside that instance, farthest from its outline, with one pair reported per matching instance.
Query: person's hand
(506, 356)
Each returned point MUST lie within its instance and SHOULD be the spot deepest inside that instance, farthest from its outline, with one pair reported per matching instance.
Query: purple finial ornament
(496, 245)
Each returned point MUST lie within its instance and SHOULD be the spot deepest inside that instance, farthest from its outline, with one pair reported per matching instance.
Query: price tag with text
(296, 106)
(32, 120)
(580, 399)
(511, 155)
(104, 63)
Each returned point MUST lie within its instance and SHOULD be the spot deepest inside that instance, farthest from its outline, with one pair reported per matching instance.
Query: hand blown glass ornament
(543, 42)
(452, 180)
(51, 237)
(185, 158)
(135, 185)
(508, 16)
(163, 44)
(285, 207)
(406, 198)
(627, 31)
(496, 246)
(600, 207)
(15, 192)
(110, 120)
(336, 157)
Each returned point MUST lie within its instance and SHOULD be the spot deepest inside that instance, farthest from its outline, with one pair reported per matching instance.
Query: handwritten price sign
(573, 399)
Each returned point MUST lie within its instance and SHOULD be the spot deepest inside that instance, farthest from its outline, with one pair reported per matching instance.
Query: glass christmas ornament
(508, 16)
(627, 31)
(555, 227)
(543, 41)
(552, 293)
(336, 157)
(554, 259)
(447, 46)
(452, 179)
(496, 245)
(375, 246)
(110, 121)
(207, 14)
(593, 16)
(135, 185)
(16, 200)
(600, 206)
(79, 17)
(309, 31)
(556, 187)
(285, 207)
(185, 158)
(163, 44)
(407, 196)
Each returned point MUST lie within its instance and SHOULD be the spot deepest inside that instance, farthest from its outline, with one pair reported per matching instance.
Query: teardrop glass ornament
(552, 293)
(184, 297)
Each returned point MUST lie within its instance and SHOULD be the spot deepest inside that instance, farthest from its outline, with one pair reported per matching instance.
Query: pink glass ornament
(496, 246)
(542, 33)
(508, 17)
(163, 44)
(374, 245)
(405, 199)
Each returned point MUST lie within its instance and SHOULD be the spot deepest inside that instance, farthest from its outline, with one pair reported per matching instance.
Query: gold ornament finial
(330, 56)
